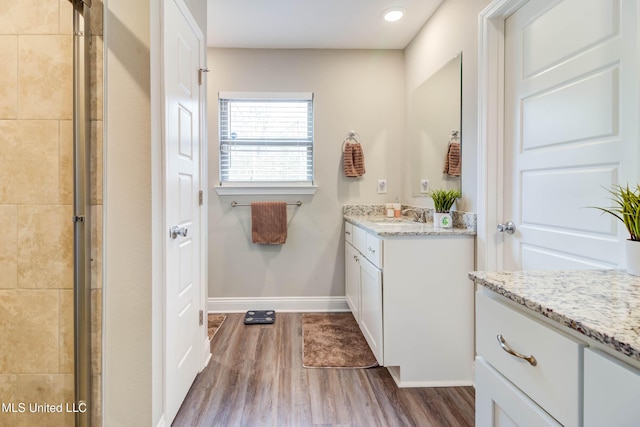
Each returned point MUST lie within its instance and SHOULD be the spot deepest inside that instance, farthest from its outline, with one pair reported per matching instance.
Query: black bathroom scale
(259, 317)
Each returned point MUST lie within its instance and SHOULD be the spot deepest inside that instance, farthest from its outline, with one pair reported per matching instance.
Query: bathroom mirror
(435, 130)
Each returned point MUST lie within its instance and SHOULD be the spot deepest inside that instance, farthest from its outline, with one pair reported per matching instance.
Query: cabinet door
(611, 391)
(352, 279)
(500, 404)
(371, 307)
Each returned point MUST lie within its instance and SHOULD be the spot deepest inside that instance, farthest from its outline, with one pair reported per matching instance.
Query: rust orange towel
(353, 160)
(452, 160)
(269, 222)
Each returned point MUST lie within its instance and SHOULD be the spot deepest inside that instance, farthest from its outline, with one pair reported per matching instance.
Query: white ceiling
(319, 24)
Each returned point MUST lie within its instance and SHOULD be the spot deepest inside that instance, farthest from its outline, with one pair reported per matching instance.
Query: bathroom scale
(259, 317)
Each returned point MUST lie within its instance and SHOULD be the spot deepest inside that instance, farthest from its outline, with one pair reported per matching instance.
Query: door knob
(176, 231)
(509, 227)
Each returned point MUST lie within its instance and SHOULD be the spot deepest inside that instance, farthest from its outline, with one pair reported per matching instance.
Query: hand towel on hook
(269, 222)
(353, 160)
(452, 159)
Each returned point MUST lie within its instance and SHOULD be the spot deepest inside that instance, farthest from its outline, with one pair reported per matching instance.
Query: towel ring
(351, 136)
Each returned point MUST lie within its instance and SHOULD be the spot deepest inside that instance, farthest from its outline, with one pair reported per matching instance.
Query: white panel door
(568, 67)
(184, 334)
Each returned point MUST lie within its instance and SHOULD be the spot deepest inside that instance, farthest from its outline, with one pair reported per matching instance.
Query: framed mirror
(435, 131)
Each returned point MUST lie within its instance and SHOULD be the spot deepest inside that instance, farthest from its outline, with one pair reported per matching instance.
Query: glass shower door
(45, 279)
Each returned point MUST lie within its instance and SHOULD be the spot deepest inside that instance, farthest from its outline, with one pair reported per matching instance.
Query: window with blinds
(266, 138)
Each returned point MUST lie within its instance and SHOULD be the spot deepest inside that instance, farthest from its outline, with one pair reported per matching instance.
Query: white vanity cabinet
(363, 285)
(569, 354)
(534, 366)
(611, 391)
(500, 403)
(352, 279)
(413, 303)
(371, 307)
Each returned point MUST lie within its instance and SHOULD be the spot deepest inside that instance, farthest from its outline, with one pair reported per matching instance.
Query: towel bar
(234, 204)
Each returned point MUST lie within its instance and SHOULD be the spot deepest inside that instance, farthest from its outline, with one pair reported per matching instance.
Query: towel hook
(351, 136)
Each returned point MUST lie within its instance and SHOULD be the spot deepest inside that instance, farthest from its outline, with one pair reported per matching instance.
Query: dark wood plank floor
(256, 378)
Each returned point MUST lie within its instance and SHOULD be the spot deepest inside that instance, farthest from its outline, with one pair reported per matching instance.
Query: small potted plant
(443, 200)
(627, 210)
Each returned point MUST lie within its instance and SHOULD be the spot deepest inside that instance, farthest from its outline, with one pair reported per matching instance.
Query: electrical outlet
(382, 186)
(424, 185)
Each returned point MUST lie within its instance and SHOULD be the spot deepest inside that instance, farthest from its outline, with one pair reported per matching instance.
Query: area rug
(215, 321)
(334, 340)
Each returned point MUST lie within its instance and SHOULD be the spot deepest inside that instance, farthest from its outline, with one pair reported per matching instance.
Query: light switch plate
(382, 186)
(424, 185)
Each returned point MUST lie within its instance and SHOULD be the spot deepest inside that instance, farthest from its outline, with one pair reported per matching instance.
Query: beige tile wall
(36, 195)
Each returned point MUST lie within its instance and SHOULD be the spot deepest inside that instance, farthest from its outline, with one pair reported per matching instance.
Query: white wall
(354, 90)
(128, 326)
(198, 9)
(133, 219)
(453, 28)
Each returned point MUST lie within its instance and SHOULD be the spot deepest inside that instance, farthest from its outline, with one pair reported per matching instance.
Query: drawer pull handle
(373, 251)
(348, 233)
(532, 360)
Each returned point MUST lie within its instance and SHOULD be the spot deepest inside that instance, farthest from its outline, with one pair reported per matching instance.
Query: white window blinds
(266, 137)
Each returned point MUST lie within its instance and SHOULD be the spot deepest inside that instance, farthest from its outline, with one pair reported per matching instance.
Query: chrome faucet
(420, 216)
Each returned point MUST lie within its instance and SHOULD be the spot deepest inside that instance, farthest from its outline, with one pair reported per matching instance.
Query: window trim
(264, 187)
(267, 189)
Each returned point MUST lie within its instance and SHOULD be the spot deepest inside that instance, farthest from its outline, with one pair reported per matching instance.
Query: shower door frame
(81, 211)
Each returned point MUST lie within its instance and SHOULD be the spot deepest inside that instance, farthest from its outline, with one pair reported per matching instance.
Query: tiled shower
(36, 196)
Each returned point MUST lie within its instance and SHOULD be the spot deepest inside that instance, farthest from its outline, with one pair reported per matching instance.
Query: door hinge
(200, 197)
(201, 317)
(200, 72)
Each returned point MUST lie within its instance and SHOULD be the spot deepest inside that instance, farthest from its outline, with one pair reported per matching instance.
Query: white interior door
(184, 328)
(570, 130)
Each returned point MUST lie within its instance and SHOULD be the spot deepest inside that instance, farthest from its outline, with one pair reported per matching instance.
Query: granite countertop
(371, 217)
(403, 226)
(601, 304)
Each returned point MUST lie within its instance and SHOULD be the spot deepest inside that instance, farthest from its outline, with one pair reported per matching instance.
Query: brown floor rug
(215, 321)
(334, 340)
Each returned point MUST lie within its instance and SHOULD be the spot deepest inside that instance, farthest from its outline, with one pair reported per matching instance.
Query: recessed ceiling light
(392, 15)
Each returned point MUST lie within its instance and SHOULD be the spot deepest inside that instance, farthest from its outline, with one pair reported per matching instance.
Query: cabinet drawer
(348, 232)
(373, 250)
(554, 381)
(499, 403)
(359, 237)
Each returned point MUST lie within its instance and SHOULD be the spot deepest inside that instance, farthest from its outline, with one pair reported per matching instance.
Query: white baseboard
(206, 353)
(285, 304)
(393, 370)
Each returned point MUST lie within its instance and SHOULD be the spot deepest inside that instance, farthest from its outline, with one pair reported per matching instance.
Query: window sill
(254, 190)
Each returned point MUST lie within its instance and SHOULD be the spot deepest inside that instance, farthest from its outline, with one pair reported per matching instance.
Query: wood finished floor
(256, 378)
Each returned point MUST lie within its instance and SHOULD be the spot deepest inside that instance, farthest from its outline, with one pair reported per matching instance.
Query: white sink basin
(391, 221)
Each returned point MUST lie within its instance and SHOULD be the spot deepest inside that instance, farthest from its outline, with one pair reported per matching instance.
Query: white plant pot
(442, 220)
(633, 257)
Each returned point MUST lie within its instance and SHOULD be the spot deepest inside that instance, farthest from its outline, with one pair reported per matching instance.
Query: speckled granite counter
(402, 227)
(601, 304)
(371, 217)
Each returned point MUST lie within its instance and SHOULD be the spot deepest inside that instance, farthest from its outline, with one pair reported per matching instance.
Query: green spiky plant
(626, 209)
(444, 199)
